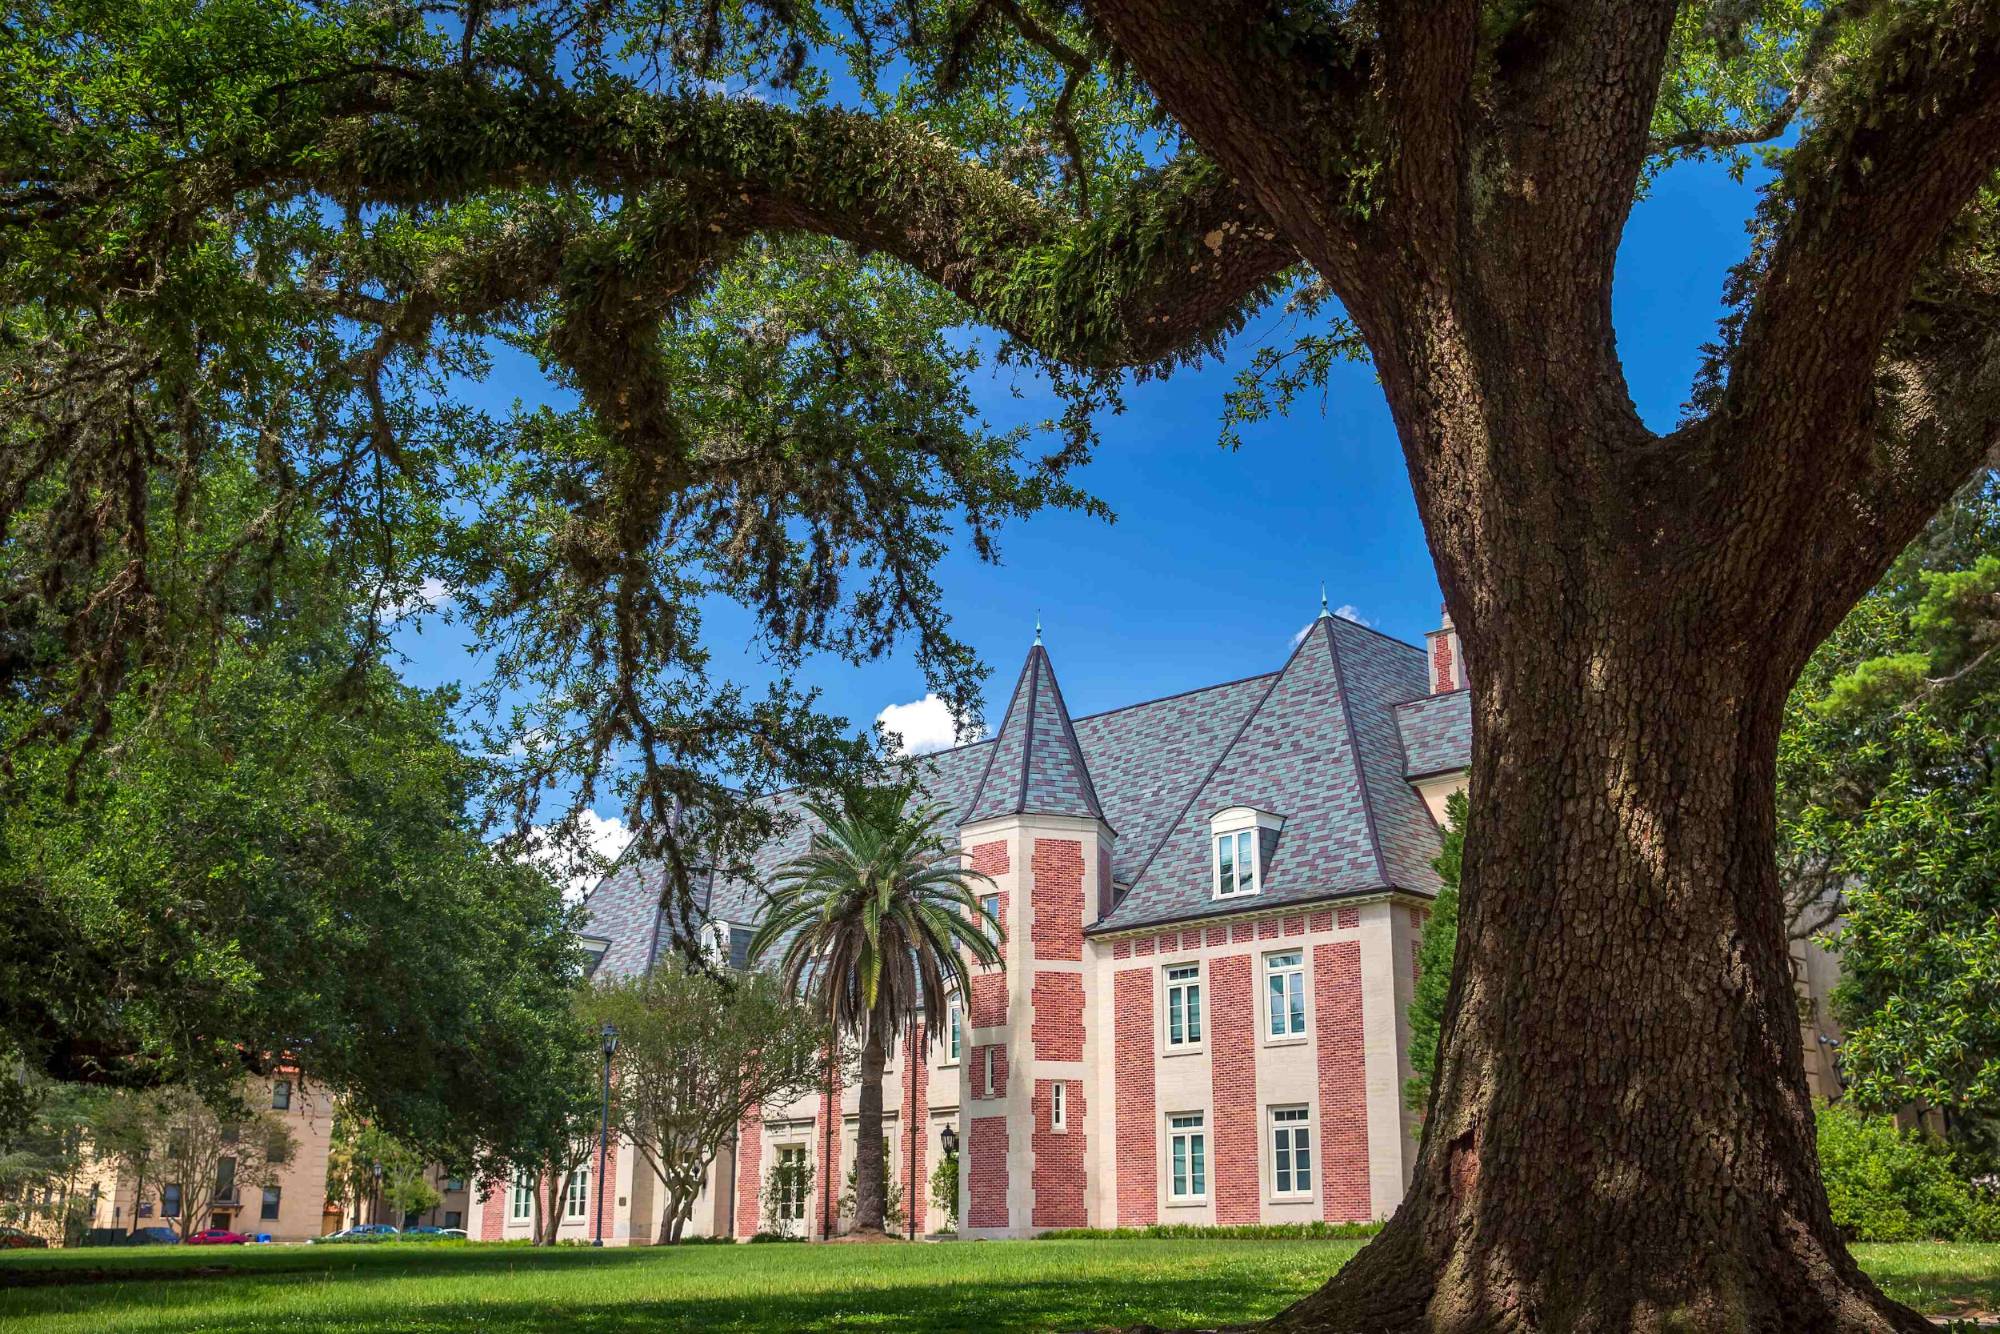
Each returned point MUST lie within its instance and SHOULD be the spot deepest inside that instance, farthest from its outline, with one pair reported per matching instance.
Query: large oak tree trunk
(1654, 1166)
(869, 1201)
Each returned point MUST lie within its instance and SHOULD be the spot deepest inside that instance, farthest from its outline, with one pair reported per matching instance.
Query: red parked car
(14, 1239)
(215, 1236)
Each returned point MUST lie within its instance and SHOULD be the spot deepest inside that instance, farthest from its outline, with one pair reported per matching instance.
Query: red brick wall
(1350, 918)
(1121, 949)
(749, 1172)
(1441, 673)
(1322, 921)
(986, 1172)
(1058, 1174)
(1058, 1023)
(1233, 1062)
(827, 1177)
(1295, 926)
(990, 858)
(1267, 929)
(1137, 1148)
(1057, 899)
(1343, 1109)
(493, 1211)
(989, 1000)
(916, 1084)
(1242, 931)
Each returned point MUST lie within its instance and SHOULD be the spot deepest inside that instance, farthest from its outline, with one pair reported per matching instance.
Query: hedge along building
(1211, 905)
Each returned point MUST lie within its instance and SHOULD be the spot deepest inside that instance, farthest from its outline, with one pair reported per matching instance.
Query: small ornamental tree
(197, 1155)
(697, 1054)
(944, 1190)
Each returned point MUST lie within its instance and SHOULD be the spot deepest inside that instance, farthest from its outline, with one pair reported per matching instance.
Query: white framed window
(715, 944)
(1285, 994)
(1059, 1107)
(791, 1183)
(991, 904)
(1187, 1157)
(1236, 864)
(954, 1035)
(522, 1205)
(1184, 1005)
(1291, 1152)
(576, 1198)
(988, 1056)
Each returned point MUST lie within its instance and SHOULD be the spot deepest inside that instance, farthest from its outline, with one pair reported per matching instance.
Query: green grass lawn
(974, 1285)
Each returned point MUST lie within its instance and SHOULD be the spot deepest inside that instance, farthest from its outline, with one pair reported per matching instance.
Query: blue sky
(1216, 558)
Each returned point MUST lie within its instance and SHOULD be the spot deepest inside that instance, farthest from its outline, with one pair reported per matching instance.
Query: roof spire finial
(1038, 627)
(1322, 599)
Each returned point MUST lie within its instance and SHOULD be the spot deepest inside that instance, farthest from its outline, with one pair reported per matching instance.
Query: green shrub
(1314, 1231)
(944, 1190)
(767, 1238)
(1885, 1184)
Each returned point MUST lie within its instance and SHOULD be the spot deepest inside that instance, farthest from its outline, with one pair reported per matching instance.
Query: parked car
(216, 1236)
(152, 1236)
(13, 1239)
(361, 1232)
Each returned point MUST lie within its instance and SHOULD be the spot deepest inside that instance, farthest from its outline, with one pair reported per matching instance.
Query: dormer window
(715, 944)
(1242, 838)
(1236, 863)
(594, 950)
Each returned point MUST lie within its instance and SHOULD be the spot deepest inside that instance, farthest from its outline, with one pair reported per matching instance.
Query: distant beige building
(289, 1206)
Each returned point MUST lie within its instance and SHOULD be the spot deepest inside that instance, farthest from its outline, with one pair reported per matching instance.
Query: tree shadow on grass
(926, 1300)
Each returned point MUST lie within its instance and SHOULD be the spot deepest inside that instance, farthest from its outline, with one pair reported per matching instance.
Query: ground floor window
(1291, 1151)
(576, 1200)
(454, 1218)
(791, 1183)
(1188, 1149)
(523, 1203)
(272, 1194)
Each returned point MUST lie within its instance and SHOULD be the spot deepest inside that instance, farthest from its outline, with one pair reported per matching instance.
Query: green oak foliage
(1888, 815)
(278, 865)
(699, 1052)
(1434, 955)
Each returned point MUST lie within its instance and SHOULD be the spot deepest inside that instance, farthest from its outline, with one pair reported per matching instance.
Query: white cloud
(922, 726)
(432, 595)
(1347, 611)
(603, 837)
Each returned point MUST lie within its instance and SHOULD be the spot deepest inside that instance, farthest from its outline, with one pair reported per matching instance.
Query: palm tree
(878, 920)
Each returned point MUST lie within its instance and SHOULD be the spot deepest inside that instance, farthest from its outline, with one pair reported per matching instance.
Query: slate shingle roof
(1035, 766)
(1323, 743)
(1437, 733)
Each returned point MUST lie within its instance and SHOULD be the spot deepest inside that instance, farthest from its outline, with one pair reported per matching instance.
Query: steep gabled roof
(1035, 766)
(1436, 732)
(1319, 749)
(1317, 742)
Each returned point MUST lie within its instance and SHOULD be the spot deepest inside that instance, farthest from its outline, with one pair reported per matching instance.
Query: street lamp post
(948, 1141)
(610, 1036)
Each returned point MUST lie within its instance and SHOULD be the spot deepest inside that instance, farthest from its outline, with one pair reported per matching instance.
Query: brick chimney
(1447, 657)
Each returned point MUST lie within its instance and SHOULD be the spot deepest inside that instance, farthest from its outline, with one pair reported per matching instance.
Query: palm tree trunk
(869, 1203)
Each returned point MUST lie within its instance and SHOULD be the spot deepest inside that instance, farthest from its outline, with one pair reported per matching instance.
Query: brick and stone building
(1211, 907)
